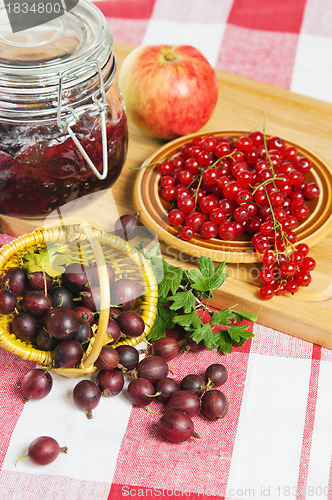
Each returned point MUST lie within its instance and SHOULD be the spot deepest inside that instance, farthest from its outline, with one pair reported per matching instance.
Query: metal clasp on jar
(68, 116)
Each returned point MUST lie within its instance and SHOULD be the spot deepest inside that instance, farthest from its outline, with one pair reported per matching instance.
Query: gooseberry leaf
(205, 333)
(48, 260)
(164, 319)
(185, 300)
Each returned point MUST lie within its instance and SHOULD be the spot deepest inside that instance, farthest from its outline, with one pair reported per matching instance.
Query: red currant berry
(308, 264)
(192, 165)
(279, 287)
(301, 212)
(268, 258)
(252, 156)
(267, 227)
(297, 258)
(241, 214)
(169, 193)
(303, 164)
(266, 275)
(260, 196)
(277, 199)
(222, 149)
(176, 217)
(209, 143)
(244, 178)
(254, 224)
(186, 233)
(288, 269)
(210, 176)
(185, 177)
(244, 196)
(303, 278)
(311, 191)
(296, 177)
(209, 230)
(257, 138)
(290, 153)
(239, 166)
(303, 249)
(167, 180)
(292, 237)
(177, 162)
(276, 143)
(186, 204)
(165, 167)
(204, 158)
(208, 203)
(266, 292)
(252, 208)
(239, 226)
(228, 231)
(291, 286)
(231, 189)
(181, 191)
(244, 143)
(262, 246)
(195, 220)
(286, 167)
(218, 216)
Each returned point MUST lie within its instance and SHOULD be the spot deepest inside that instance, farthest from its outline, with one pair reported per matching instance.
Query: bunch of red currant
(224, 187)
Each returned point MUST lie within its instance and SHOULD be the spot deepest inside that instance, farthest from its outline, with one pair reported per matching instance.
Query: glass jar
(63, 128)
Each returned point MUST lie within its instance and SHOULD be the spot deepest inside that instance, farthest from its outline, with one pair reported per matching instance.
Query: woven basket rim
(40, 238)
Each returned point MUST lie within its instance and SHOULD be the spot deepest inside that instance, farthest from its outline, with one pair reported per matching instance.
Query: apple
(168, 91)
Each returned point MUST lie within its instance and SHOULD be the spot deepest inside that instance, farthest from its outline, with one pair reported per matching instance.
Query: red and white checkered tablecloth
(276, 440)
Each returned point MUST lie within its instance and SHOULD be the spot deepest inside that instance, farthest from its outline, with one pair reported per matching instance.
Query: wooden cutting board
(242, 105)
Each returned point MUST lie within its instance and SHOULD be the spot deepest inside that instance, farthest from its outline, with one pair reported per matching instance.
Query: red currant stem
(268, 181)
(276, 223)
(257, 205)
(192, 182)
(199, 184)
(149, 164)
(230, 155)
(267, 152)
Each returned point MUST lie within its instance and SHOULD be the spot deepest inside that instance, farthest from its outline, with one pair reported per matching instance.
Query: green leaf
(207, 278)
(48, 260)
(185, 300)
(219, 276)
(205, 265)
(239, 332)
(224, 317)
(223, 341)
(171, 280)
(244, 315)
(140, 246)
(164, 319)
(204, 333)
(198, 281)
(188, 321)
(153, 252)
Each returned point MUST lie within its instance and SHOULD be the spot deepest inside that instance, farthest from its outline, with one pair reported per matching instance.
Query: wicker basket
(96, 246)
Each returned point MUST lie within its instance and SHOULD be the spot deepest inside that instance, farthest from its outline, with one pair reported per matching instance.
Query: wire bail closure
(71, 116)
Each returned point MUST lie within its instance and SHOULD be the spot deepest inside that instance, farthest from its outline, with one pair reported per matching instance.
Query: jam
(63, 128)
(40, 169)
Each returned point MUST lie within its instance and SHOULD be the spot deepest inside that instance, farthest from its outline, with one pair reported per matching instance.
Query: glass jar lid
(73, 52)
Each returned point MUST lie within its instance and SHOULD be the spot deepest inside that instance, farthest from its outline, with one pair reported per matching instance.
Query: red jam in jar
(63, 128)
